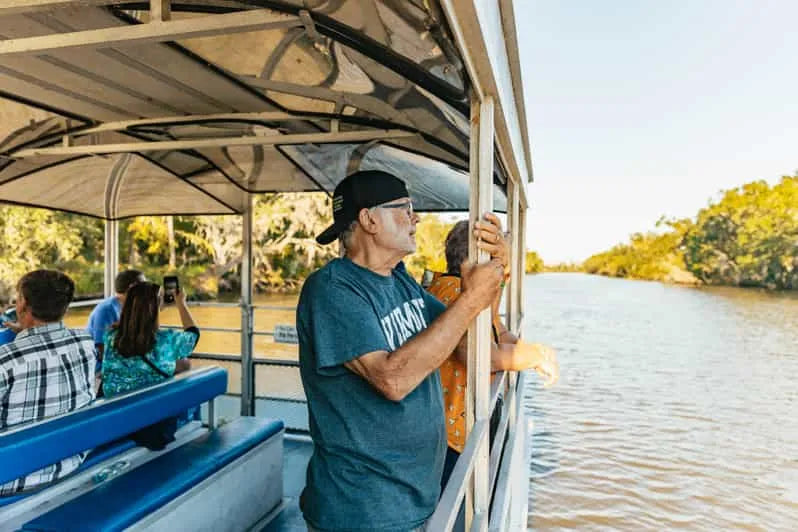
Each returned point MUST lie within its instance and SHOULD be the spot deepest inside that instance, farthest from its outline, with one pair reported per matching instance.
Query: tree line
(205, 251)
(749, 237)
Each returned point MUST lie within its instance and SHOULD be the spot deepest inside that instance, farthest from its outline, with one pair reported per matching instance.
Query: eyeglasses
(406, 205)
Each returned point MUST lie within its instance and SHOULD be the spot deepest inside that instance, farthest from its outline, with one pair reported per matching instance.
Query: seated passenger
(137, 352)
(107, 312)
(508, 353)
(47, 370)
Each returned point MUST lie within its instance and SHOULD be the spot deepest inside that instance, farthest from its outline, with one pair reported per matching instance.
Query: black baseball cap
(361, 190)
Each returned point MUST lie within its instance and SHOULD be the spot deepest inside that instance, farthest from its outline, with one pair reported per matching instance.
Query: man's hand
(491, 239)
(481, 283)
(543, 360)
(14, 326)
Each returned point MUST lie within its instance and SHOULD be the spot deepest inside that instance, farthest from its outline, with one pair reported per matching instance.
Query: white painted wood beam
(133, 147)
(160, 10)
(482, 44)
(137, 34)
(479, 333)
(270, 116)
(17, 7)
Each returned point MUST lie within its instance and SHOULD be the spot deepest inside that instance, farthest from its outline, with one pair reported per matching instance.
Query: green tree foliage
(35, 238)
(430, 253)
(652, 256)
(564, 267)
(284, 244)
(533, 263)
(748, 238)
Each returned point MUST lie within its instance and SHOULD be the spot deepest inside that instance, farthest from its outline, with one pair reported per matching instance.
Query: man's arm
(517, 356)
(396, 374)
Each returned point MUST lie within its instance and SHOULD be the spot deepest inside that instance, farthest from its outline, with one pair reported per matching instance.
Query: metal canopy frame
(424, 115)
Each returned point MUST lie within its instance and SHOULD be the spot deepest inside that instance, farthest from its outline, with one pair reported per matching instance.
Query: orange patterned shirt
(446, 288)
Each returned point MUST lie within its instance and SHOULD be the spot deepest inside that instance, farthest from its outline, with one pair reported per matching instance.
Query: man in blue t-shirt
(370, 344)
(108, 310)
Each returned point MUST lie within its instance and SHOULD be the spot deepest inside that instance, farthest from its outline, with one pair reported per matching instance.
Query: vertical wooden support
(247, 366)
(160, 10)
(479, 334)
(516, 252)
(519, 294)
(111, 256)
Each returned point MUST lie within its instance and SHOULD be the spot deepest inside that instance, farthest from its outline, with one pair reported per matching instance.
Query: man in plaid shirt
(47, 370)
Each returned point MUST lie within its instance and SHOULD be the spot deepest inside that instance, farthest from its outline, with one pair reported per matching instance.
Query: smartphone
(8, 315)
(170, 288)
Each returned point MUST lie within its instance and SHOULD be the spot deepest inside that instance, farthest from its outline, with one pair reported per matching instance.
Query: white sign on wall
(285, 334)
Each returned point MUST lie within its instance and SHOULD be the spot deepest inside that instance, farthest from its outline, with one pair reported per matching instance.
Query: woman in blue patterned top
(137, 353)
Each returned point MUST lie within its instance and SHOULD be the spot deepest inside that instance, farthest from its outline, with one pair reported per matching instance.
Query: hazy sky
(642, 108)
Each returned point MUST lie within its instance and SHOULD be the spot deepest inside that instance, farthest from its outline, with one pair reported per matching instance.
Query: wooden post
(160, 10)
(111, 256)
(516, 255)
(479, 334)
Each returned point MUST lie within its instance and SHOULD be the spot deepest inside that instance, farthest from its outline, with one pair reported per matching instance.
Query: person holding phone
(137, 352)
(170, 287)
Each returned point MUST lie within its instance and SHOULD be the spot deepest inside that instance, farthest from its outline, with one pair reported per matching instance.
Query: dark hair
(126, 279)
(456, 247)
(135, 331)
(47, 293)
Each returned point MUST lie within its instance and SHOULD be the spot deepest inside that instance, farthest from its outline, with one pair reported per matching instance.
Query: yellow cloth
(446, 288)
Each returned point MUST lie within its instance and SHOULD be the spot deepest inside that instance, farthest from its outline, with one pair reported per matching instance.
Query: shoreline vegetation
(203, 251)
(747, 238)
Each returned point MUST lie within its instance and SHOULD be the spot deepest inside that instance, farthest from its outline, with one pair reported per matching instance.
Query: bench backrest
(31, 447)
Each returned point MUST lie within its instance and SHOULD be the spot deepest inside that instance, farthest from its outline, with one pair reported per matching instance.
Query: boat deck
(296, 454)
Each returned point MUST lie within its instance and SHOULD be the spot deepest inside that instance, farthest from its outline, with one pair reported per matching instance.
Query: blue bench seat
(124, 500)
(31, 447)
(97, 455)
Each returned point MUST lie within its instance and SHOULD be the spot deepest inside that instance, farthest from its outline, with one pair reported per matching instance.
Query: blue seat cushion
(124, 500)
(97, 455)
(25, 450)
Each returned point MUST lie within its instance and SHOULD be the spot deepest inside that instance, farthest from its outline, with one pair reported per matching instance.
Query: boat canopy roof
(109, 114)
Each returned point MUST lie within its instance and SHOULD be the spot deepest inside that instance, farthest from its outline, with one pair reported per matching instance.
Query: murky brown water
(269, 381)
(677, 407)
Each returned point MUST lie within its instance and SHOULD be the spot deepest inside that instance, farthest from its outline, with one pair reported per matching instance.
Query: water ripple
(675, 410)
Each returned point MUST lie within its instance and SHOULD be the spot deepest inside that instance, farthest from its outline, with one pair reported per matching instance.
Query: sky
(638, 109)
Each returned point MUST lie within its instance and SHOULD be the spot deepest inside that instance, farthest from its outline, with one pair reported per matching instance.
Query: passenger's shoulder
(327, 276)
(165, 334)
(80, 334)
(400, 272)
(5, 351)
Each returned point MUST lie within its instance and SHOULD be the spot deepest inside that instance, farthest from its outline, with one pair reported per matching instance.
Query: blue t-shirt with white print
(376, 463)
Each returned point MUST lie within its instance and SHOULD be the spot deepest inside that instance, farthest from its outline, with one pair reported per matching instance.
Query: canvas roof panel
(326, 69)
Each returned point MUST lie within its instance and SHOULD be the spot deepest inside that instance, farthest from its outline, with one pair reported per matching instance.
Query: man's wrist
(470, 305)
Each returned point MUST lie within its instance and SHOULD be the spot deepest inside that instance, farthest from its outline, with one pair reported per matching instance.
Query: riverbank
(676, 278)
(744, 239)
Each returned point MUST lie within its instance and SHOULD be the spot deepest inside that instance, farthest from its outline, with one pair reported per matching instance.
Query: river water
(677, 407)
